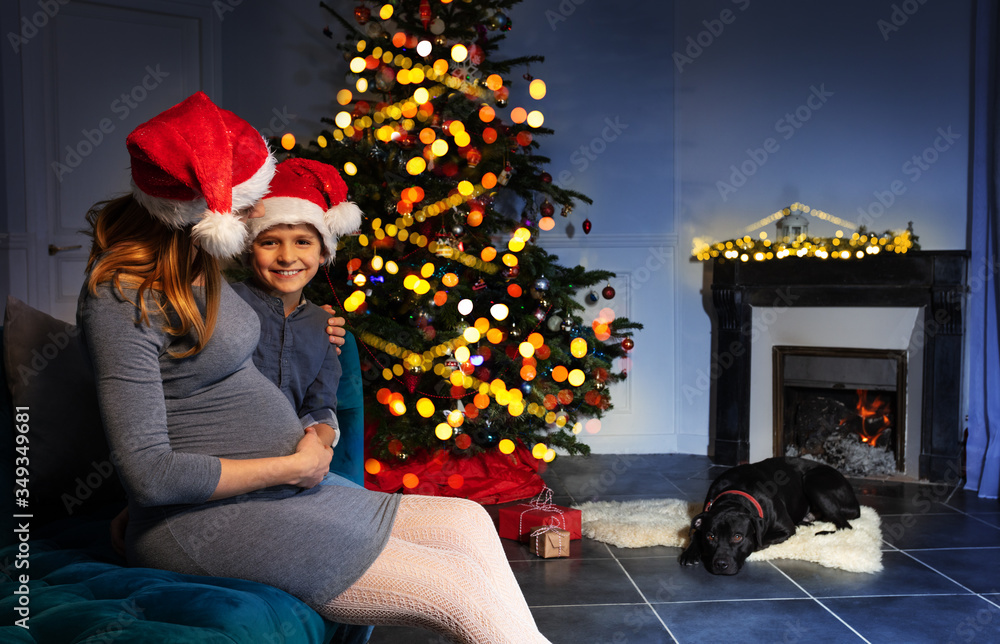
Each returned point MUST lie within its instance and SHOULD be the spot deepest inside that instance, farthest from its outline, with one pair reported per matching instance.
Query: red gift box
(516, 521)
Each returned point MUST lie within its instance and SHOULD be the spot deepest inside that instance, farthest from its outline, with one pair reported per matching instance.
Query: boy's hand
(315, 458)
(335, 328)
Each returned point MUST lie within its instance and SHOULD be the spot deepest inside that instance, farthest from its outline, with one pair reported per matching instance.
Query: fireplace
(908, 307)
(843, 406)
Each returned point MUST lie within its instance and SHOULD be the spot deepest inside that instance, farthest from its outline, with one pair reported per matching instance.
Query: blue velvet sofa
(60, 579)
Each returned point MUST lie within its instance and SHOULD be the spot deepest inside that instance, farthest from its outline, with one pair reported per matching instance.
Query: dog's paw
(688, 558)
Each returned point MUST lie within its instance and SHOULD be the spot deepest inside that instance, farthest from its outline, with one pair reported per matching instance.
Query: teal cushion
(74, 596)
(350, 394)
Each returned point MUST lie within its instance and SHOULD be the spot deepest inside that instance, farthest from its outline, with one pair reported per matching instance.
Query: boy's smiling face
(284, 258)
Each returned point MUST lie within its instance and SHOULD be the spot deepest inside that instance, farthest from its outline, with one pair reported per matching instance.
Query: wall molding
(668, 240)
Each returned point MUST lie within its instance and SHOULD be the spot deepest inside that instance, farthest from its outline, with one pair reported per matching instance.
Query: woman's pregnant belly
(242, 416)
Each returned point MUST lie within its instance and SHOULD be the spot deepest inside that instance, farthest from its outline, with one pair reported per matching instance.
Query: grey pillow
(49, 373)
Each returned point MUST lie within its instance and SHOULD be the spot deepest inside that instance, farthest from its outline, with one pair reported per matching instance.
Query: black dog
(751, 507)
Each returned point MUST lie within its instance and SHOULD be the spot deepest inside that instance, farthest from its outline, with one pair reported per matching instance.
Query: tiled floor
(941, 581)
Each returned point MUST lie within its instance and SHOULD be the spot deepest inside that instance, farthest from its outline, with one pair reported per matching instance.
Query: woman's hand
(304, 468)
(335, 328)
(314, 458)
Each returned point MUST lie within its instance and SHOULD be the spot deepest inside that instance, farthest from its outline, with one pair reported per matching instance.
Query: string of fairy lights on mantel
(856, 246)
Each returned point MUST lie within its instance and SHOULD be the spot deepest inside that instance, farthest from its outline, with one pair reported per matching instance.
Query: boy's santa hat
(199, 164)
(309, 192)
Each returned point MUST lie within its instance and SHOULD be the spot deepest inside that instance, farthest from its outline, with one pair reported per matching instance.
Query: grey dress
(168, 422)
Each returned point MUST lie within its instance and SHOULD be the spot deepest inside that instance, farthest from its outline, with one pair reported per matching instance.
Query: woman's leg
(462, 526)
(459, 585)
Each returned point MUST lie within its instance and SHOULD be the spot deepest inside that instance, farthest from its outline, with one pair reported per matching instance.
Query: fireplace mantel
(931, 280)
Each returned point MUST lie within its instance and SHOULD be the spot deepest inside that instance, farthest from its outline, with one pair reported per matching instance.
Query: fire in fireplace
(845, 407)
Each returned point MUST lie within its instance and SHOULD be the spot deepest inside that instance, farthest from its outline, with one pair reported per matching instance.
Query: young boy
(304, 214)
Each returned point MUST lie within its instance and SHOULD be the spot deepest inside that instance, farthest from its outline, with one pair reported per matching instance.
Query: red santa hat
(309, 192)
(197, 164)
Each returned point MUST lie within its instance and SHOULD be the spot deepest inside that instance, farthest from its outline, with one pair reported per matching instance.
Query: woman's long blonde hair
(132, 249)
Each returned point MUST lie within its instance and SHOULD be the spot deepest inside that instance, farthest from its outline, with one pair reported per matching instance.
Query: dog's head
(726, 536)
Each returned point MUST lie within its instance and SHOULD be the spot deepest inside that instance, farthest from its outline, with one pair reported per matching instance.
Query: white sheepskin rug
(666, 522)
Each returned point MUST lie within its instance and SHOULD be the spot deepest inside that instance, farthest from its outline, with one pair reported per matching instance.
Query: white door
(91, 74)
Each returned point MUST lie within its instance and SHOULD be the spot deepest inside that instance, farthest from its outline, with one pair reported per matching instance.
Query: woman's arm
(305, 468)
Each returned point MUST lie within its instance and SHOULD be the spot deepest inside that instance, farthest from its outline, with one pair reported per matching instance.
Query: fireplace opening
(844, 407)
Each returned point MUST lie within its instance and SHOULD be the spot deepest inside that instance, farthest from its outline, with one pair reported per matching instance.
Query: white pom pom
(221, 235)
(344, 218)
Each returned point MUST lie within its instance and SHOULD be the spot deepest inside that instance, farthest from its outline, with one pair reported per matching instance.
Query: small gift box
(515, 520)
(548, 541)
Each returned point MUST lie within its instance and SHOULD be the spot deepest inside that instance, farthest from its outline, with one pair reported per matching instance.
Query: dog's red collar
(760, 510)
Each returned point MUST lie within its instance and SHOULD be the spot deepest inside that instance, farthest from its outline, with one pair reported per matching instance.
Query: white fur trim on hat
(220, 234)
(344, 218)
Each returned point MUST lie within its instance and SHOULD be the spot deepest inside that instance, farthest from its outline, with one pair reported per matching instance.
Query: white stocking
(442, 569)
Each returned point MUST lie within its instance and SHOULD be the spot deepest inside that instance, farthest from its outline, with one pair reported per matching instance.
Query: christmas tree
(475, 347)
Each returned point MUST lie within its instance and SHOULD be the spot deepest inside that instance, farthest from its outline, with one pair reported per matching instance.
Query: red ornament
(608, 292)
(425, 12)
(362, 14)
(547, 209)
(476, 54)
(545, 177)
(627, 344)
(586, 226)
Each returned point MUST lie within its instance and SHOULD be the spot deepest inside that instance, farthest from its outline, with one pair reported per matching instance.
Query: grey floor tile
(970, 501)
(618, 624)
(793, 620)
(662, 579)
(901, 576)
(952, 530)
(920, 619)
(978, 569)
(573, 582)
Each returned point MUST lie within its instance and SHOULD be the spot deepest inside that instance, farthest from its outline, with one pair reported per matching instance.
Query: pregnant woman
(221, 478)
